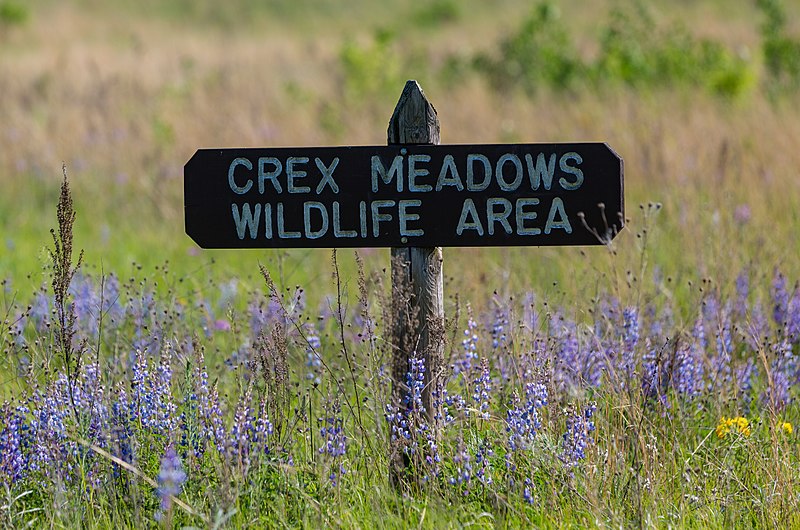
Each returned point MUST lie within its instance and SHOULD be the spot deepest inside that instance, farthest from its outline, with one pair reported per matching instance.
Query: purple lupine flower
(263, 315)
(171, 478)
(463, 467)
(415, 379)
(499, 327)
(630, 338)
(482, 389)
(120, 436)
(162, 393)
(654, 380)
(469, 344)
(783, 376)
(630, 326)
(40, 312)
(409, 424)
(688, 372)
(742, 294)
(720, 370)
(578, 365)
(212, 426)
(523, 422)
(526, 492)
(744, 382)
(398, 424)
(484, 467)
(577, 436)
(14, 437)
(142, 309)
(567, 362)
(242, 433)
(86, 304)
(334, 444)
(113, 309)
(143, 404)
(780, 298)
(313, 359)
(263, 429)
(51, 447)
(455, 402)
(793, 317)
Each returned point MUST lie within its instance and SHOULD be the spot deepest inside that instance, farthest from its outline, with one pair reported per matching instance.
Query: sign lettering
(412, 195)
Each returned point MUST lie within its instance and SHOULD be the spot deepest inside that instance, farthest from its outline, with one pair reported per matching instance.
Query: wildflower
(483, 389)
(415, 379)
(313, 359)
(780, 298)
(463, 465)
(577, 436)
(630, 328)
(742, 293)
(522, 423)
(738, 425)
(470, 345)
(688, 370)
(335, 439)
(526, 493)
(241, 433)
(170, 479)
(786, 428)
(263, 428)
(12, 443)
(784, 368)
(499, 328)
(742, 214)
(482, 455)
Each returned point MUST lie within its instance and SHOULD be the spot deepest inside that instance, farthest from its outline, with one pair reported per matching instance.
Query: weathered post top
(414, 120)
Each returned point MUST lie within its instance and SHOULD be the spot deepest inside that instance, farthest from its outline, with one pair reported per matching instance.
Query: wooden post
(417, 292)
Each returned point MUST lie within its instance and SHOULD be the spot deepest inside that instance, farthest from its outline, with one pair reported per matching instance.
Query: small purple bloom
(577, 436)
(171, 477)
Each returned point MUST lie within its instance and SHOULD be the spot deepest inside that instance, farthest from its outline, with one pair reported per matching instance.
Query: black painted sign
(404, 195)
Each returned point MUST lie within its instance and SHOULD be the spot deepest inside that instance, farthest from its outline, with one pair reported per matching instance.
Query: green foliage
(540, 53)
(372, 68)
(12, 13)
(438, 12)
(634, 50)
(781, 52)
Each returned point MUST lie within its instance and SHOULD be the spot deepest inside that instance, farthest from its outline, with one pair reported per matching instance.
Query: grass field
(650, 383)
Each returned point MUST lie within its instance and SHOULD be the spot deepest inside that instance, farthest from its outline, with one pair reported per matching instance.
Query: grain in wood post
(417, 292)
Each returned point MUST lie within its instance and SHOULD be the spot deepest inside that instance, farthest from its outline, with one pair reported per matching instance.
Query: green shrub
(636, 51)
(12, 13)
(373, 68)
(781, 52)
(437, 13)
(540, 53)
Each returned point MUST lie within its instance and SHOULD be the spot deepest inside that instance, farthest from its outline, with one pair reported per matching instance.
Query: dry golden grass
(125, 100)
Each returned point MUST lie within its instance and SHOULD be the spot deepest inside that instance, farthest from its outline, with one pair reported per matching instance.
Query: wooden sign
(404, 196)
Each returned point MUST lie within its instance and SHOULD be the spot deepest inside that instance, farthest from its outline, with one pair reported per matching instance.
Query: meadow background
(649, 383)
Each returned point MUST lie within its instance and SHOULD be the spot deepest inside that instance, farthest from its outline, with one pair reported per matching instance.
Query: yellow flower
(738, 424)
(786, 427)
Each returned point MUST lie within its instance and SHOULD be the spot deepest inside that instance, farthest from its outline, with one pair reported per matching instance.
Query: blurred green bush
(12, 13)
